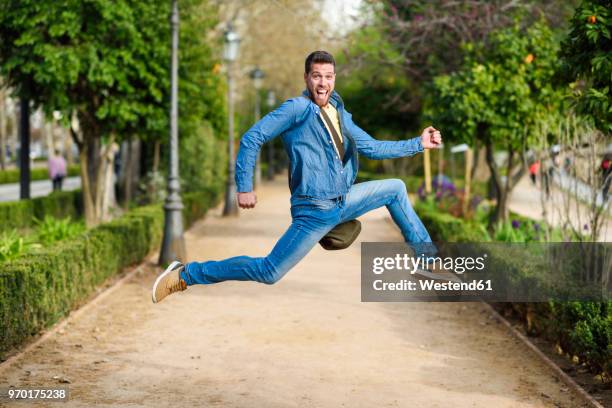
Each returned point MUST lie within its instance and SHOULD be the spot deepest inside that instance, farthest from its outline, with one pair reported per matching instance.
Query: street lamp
(24, 149)
(230, 53)
(173, 244)
(257, 75)
(271, 100)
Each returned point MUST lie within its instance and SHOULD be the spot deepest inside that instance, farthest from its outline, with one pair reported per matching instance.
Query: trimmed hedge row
(38, 173)
(42, 287)
(21, 214)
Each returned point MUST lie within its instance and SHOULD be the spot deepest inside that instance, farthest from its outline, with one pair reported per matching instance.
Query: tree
(105, 64)
(503, 97)
(586, 55)
(427, 38)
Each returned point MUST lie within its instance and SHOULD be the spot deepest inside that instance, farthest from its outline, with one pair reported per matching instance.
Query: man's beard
(319, 99)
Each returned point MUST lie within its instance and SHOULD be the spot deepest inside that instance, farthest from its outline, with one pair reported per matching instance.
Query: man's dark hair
(318, 57)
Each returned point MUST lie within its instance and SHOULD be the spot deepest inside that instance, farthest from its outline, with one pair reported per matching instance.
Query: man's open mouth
(322, 93)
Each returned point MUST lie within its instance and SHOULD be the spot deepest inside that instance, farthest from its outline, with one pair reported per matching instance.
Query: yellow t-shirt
(333, 116)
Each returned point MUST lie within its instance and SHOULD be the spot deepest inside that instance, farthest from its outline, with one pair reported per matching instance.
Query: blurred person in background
(57, 170)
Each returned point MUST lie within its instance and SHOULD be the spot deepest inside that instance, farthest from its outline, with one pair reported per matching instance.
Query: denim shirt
(315, 169)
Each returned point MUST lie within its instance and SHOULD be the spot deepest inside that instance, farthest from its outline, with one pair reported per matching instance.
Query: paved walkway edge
(94, 300)
(569, 381)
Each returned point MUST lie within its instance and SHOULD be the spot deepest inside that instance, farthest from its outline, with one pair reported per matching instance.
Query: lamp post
(173, 244)
(271, 100)
(24, 150)
(230, 53)
(257, 75)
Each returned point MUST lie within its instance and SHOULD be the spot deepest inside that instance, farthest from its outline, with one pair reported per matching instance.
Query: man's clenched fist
(247, 200)
(431, 138)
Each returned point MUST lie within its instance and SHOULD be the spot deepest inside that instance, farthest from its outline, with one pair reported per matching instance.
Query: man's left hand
(431, 138)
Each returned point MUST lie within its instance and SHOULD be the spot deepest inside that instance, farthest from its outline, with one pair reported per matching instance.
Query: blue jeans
(311, 220)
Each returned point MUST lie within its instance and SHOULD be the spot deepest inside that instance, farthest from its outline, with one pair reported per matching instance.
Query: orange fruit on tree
(529, 58)
(592, 19)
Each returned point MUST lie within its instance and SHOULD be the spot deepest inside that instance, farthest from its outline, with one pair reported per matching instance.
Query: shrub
(11, 245)
(38, 173)
(21, 214)
(38, 289)
(50, 230)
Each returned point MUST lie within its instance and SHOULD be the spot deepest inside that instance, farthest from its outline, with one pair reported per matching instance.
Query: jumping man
(323, 144)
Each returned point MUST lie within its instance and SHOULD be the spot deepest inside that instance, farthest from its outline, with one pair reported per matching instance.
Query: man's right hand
(247, 200)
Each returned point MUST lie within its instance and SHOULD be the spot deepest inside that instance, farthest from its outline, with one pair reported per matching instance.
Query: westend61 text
(429, 285)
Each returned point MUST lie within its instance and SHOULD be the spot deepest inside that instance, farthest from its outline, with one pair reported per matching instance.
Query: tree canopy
(503, 96)
(586, 55)
(108, 64)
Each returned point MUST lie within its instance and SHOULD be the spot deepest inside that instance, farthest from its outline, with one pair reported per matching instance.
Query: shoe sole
(169, 269)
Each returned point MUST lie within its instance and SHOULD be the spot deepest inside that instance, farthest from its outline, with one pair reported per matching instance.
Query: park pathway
(307, 341)
(526, 200)
(39, 188)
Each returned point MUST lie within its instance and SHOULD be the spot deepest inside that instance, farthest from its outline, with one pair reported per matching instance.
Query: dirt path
(307, 341)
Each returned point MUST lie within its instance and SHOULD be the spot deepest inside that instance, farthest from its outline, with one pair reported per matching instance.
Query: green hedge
(38, 173)
(38, 289)
(21, 214)
(582, 329)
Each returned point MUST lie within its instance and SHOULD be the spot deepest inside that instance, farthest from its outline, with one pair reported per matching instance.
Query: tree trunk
(156, 157)
(88, 205)
(500, 213)
(68, 147)
(13, 135)
(101, 185)
(480, 170)
(93, 157)
(47, 129)
(93, 166)
(108, 197)
(127, 178)
(3, 130)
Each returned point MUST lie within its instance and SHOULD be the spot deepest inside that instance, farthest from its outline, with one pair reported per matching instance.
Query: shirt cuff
(243, 185)
(417, 145)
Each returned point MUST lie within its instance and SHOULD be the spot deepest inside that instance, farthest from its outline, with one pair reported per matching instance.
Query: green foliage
(21, 214)
(368, 89)
(586, 56)
(11, 245)
(203, 160)
(504, 93)
(38, 289)
(506, 232)
(584, 329)
(109, 62)
(12, 175)
(50, 230)
(202, 90)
